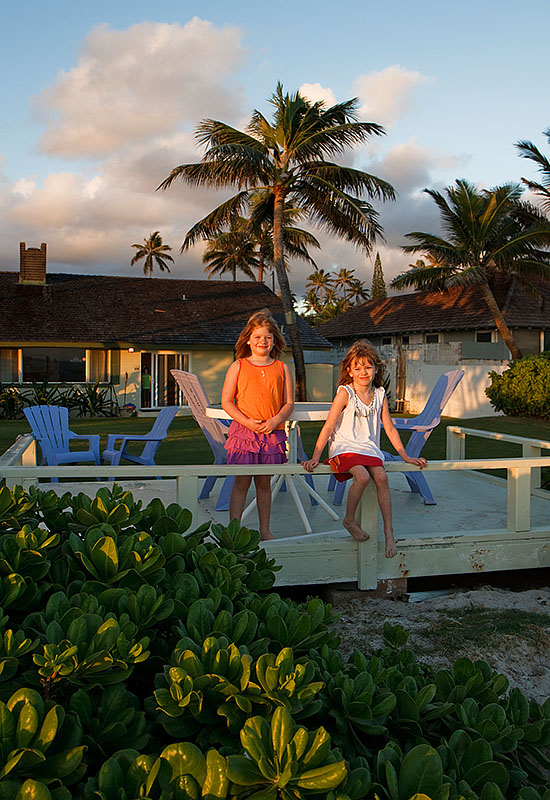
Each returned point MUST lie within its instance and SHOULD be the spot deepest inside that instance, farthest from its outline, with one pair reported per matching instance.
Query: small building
(423, 334)
(72, 329)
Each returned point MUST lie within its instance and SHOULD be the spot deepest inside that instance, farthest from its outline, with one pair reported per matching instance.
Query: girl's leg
(263, 500)
(361, 478)
(238, 496)
(380, 478)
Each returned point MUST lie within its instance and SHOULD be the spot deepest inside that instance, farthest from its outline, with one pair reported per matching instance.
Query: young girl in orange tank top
(257, 393)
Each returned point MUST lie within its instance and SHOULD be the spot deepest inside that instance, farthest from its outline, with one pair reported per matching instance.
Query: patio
(480, 523)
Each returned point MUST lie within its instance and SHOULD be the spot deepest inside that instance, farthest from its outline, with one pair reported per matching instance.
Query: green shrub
(132, 646)
(523, 390)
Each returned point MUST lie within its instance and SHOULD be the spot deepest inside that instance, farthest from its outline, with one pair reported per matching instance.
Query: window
(483, 336)
(432, 338)
(98, 365)
(405, 339)
(546, 340)
(386, 339)
(58, 364)
(9, 372)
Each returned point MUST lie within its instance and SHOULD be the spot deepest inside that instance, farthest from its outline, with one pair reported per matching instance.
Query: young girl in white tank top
(352, 431)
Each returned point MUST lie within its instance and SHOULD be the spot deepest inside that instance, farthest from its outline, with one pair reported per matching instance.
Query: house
(68, 328)
(423, 334)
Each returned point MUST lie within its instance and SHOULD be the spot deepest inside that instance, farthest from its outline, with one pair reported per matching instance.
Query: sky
(100, 101)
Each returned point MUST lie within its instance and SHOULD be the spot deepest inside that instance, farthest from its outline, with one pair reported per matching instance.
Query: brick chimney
(32, 264)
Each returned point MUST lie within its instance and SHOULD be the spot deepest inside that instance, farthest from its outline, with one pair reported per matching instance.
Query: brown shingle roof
(167, 311)
(456, 309)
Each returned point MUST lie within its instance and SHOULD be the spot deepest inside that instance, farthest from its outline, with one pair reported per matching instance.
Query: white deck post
(367, 552)
(532, 451)
(187, 493)
(456, 445)
(519, 498)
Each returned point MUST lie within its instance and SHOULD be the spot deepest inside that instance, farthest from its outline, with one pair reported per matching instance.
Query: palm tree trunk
(260, 267)
(500, 322)
(286, 296)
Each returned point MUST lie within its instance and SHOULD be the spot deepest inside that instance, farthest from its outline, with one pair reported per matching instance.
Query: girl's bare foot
(352, 527)
(391, 547)
(265, 536)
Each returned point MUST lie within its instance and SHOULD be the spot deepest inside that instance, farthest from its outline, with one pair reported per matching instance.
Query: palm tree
(287, 157)
(154, 252)
(296, 240)
(232, 250)
(486, 243)
(320, 282)
(344, 281)
(528, 150)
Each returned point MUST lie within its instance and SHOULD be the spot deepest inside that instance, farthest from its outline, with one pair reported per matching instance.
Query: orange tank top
(260, 389)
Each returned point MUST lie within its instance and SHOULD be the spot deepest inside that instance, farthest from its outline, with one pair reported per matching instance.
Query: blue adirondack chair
(150, 440)
(420, 427)
(50, 428)
(214, 430)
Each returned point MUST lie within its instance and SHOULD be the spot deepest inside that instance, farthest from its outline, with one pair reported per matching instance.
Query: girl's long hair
(362, 349)
(258, 320)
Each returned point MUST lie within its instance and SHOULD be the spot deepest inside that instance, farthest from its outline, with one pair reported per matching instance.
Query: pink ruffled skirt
(248, 447)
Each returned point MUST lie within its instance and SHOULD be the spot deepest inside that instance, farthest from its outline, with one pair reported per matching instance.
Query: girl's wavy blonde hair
(258, 320)
(362, 349)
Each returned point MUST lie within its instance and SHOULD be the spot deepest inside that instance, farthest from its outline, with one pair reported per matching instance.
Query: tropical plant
(232, 250)
(529, 150)
(154, 252)
(487, 243)
(331, 294)
(522, 390)
(378, 287)
(288, 158)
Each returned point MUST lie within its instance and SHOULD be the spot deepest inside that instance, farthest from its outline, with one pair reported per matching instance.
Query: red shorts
(342, 463)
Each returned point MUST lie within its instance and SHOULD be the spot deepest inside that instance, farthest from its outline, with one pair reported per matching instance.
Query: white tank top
(358, 429)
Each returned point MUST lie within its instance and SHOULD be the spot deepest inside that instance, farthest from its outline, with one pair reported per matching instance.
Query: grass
(459, 629)
(185, 443)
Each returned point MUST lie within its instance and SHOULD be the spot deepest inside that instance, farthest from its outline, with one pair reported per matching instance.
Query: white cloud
(137, 84)
(386, 96)
(24, 187)
(314, 92)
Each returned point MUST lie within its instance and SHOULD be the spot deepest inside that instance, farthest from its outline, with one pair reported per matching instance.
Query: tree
(154, 252)
(378, 288)
(288, 158)
(486, 243)
(231, 251)
(528, 150)
(331, 294)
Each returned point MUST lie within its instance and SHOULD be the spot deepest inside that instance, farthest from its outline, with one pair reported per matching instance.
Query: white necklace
(363, 410)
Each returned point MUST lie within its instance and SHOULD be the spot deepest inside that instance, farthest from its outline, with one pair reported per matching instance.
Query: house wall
(424, 364)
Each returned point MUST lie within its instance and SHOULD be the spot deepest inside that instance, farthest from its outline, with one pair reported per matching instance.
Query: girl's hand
(419, 462)
(254, 424)
(267, 426)
(310, 465)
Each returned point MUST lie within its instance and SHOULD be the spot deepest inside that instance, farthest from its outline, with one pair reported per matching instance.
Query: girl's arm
(286, 409)
(338, 405)
(393, 435)
(228, 399)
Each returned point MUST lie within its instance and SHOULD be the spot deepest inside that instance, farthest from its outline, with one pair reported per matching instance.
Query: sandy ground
(523, 656)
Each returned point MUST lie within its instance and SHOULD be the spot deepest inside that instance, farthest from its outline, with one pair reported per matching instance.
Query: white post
(532, 451)
(367, 552)
(187, 493)
(519, 498)
(456, 445)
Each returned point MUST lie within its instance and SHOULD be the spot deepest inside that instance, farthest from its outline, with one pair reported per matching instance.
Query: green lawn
(185, 443)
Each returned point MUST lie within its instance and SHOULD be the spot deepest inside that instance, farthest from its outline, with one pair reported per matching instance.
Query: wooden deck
(480, 524)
